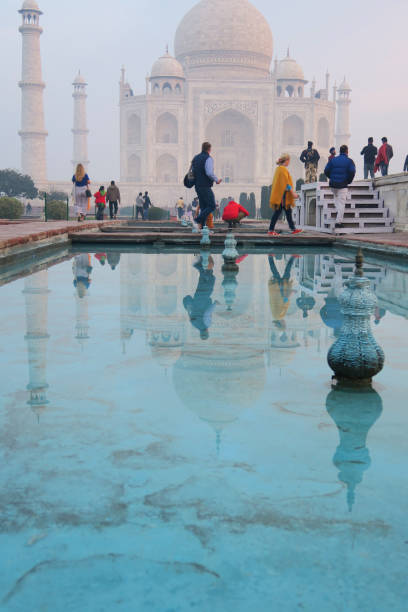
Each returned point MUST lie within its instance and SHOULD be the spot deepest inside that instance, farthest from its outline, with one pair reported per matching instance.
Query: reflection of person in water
(201, 307)
(82, 269)
(113, 258)
(379, 314)
(280, 290)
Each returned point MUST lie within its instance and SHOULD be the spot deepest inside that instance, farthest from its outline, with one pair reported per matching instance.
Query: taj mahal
(222, 84)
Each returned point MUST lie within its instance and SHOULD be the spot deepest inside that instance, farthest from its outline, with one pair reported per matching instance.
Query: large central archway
(232, 137)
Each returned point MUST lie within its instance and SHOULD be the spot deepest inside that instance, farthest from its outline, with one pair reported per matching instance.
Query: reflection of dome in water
(218, 389)
(166, 356)
(229, 33)
(166, 299)
(354, 411)
(166, 265)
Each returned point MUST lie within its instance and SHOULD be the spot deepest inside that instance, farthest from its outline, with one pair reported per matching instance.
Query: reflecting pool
(170, 439)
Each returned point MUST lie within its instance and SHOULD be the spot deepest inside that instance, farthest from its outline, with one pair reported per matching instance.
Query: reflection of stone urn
(356, 356)
(230, 283)
(354, 411)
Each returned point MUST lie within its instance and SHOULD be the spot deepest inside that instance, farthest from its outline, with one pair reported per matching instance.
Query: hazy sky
(362, 39)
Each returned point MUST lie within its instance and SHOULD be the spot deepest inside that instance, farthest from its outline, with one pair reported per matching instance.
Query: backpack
(189, 179)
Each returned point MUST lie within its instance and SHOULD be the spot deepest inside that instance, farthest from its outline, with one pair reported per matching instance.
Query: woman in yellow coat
(283, 195)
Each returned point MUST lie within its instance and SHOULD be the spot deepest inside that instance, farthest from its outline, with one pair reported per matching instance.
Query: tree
(251, 206)
(243, 199)
(14, 185)
(266, 211)
(299, 184)
(57, 196)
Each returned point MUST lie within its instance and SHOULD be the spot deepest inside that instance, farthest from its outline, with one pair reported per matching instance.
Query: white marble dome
(167, 66)
(30, 5)
(224, 33)
(289, 70)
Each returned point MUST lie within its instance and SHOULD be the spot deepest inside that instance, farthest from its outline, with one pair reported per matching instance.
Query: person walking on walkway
(139, 205)
(385, 154)
(100, 203)
(203, 168)
(341, 172)
(180, 208)
(82, 194)
(370, 153)
(113, 197)
(310, 157)
(332, 153)
(283, 195)
(406, 164)
(200, 308)
(147, 203)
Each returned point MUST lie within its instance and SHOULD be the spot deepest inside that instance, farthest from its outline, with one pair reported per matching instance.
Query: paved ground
(12, 234)
(19, 235)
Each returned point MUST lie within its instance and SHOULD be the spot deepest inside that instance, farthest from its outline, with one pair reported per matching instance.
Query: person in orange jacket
(100, 203)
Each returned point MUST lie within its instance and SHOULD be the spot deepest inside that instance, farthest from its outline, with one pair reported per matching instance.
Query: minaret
(343, 114)
(36, 302)
(33, 134)
(80, 130)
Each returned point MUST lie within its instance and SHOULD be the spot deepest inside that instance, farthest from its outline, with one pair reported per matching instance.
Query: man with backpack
(341, 171)
(113, 198)
(385, 154)
(204, 177)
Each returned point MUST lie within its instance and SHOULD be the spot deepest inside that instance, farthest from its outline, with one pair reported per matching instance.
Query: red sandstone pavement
(12, 234)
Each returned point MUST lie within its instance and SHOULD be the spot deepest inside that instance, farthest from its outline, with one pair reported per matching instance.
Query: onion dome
(167, 66)
(289, 70)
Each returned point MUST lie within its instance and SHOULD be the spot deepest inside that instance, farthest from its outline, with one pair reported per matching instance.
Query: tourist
(385, 154)
(82, 194)
(341, 171)
(101, 257)
(203, 168)
(210, 218)
(113, 197)
(82, 269)
(139, 205)
(180, 206)
(234, 213)
(310, 157)
(280, 290)
(370, 153)
(29, 208)
(100, 203)
(283, 196)
(146, 205)
(332, 153)
(406, 164)
(200, 308)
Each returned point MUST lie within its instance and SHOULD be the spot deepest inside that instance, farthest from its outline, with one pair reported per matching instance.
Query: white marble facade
(221, 86)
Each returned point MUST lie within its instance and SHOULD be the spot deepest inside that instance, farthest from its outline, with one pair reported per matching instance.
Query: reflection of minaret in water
(36, 302)
(354, 411)
(82, 319)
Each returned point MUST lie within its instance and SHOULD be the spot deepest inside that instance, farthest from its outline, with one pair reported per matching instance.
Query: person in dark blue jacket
(204, 177)
(341, 171)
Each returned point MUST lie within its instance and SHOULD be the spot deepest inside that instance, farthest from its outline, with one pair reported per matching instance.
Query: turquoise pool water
(169, 449)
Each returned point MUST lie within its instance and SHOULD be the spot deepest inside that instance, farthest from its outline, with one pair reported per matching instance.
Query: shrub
(299, 184)
(266, 210)
(56, 210)
(10, 208)
(157, 214)
(58, 196)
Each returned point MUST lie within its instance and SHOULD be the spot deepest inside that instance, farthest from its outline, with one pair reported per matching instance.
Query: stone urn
(356, 356)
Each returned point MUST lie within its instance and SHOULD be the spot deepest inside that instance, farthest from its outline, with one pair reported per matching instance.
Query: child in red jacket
(234, 213)
(100, 203)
